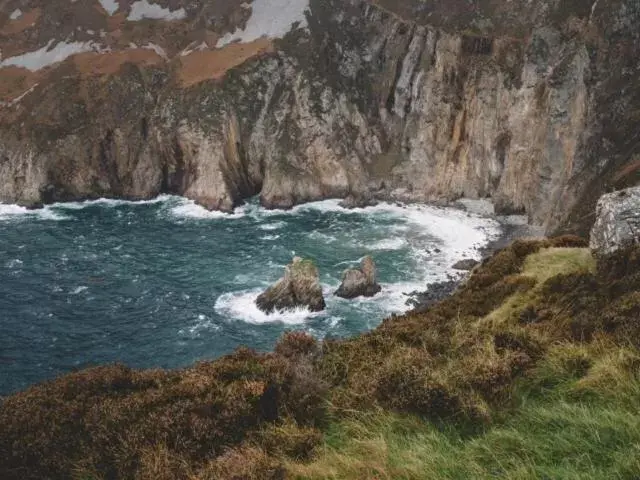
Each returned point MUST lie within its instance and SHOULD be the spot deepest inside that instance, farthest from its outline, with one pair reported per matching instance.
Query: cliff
(533, 104)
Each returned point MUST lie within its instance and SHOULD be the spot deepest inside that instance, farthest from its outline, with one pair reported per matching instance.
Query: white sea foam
(203, 323)
(15, 212)
(269, 18)
(78, 290)
(109, 202)
(143, 9)
(14, 263)
(242, 306)
(272, 226)
(52, 212)
(395, 243)
(460, 233)
(334, 321)
(270, 237)
(323, 237)
(190, 209)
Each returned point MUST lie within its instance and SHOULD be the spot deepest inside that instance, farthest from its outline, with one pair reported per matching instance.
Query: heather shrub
(294, 344)
(289, 440)
(411, 388)
(243, 463)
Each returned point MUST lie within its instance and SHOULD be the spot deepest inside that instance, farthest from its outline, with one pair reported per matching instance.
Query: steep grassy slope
(530, 370)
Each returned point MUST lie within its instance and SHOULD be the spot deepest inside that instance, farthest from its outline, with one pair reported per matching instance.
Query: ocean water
(164, 283)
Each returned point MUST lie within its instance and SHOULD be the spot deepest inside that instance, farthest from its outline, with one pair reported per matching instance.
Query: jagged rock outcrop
(399, 100)
(300, 287)
(617, 221)
(466, 264)
(359, 282)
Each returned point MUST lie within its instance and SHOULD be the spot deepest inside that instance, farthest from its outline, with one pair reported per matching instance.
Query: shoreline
(511, 230)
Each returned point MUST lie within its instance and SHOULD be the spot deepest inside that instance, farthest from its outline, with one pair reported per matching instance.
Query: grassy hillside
(530, 370)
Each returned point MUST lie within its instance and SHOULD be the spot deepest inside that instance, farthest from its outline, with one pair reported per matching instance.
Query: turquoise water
(165, 283)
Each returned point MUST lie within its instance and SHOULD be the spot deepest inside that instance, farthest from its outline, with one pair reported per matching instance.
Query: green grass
(549, 262)
(559, 439)
(541, 266)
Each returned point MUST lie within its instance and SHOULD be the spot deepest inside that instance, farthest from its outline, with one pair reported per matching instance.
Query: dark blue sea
(164, 283)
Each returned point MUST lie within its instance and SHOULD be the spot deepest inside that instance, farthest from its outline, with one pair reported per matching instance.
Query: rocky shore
(512, 228)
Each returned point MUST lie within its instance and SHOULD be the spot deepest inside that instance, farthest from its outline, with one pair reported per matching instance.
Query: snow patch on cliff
(156, 48)
(20, 97)
(48, 55)
(111, 6)
(269, 18)
(143, 9)
(16, 14)
(189, 50)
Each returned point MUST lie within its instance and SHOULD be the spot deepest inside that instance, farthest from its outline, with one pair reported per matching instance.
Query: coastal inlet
(164, 283)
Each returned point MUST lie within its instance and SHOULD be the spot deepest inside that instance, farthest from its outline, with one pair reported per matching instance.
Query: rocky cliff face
(534, 104)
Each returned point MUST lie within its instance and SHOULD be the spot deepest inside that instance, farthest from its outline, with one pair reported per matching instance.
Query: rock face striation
(360, 282)
(533, 104)
(617, 221)
(300, 287)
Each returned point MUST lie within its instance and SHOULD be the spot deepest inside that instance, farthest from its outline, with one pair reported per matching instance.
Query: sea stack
(360, 282)
(299, 287)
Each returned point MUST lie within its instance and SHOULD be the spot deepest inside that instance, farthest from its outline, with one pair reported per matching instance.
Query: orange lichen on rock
(27, 19)
(214, 64)
(92, 63)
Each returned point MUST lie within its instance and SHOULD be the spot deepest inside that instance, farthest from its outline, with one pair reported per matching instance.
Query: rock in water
(300, 287)
(358, 201)
(617, 221)
(467, 264)
(359, 282)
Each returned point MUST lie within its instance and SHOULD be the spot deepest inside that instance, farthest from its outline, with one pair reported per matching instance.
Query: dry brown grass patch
(214, 64)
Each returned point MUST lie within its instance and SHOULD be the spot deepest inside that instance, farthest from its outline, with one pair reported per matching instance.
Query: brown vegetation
(15, 82)
(121, 423)
(214, 64)
(92, 63)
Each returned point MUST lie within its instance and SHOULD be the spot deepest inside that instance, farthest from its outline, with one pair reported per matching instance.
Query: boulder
(617, 222)
(300, 287)
(358, 201)
(359, 282)
(436, 292)
(466, 265)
